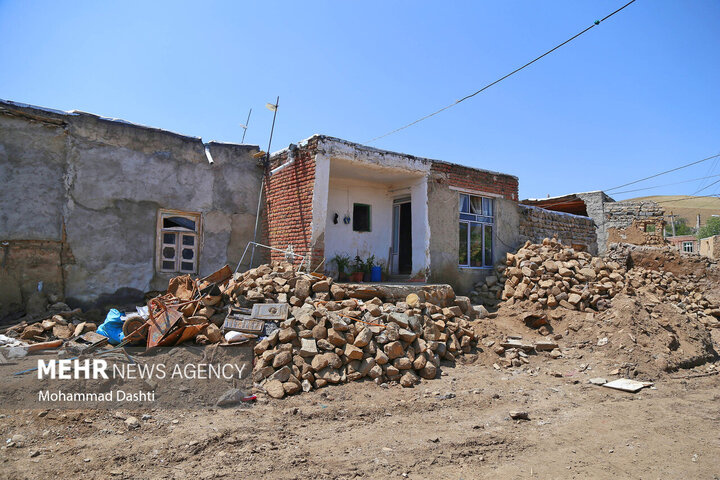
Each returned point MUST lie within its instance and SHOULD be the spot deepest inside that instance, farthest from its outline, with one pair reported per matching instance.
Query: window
(687, 247)
(476, 231)
(178, 239)
(361, 217)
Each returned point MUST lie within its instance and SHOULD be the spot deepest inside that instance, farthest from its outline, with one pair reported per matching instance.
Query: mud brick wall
(471, 179)
(537, 223)
(289, 197)
(637, 223)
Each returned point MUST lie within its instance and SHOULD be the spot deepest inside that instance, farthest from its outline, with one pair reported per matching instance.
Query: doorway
(402, 237)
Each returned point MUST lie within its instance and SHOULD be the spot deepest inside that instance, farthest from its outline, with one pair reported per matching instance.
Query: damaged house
(423, 220)
(94, 209)
(635, 222)
(98, 210)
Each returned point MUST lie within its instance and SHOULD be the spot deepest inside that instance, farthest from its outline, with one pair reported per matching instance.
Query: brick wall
(471, 179)
(537, 223)
(289, 197)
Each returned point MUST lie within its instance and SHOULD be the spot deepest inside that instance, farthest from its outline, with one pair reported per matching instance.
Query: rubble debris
(327, 338)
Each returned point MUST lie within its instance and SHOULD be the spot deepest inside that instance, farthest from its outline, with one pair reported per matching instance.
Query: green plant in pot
(369, 263)
(342, 262)
(358, 270)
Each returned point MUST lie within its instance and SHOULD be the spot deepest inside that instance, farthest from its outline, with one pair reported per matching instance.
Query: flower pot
(356, 277)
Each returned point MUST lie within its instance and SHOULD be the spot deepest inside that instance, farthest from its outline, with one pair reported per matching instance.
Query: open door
(401, 251)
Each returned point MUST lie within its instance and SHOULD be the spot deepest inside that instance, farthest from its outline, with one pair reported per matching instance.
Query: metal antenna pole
(245, 127)
(266, 174)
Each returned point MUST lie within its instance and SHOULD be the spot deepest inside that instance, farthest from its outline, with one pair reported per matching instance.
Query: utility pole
(672, 223)
(697, 224)
(266, 165)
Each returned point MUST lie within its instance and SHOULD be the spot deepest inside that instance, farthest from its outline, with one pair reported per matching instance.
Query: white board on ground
(627, 385)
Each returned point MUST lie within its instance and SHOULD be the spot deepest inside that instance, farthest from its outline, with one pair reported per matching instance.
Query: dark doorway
(405, 240)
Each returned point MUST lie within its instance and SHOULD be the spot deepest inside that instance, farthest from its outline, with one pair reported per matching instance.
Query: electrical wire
(669, 184)
(466, 97)
(664, 173)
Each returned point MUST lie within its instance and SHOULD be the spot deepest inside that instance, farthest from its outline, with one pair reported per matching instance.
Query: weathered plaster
(106, 181)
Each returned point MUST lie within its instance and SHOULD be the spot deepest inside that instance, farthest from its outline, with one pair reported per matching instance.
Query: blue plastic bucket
(376, 274)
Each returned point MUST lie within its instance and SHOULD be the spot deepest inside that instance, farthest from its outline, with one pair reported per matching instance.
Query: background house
(99, 209)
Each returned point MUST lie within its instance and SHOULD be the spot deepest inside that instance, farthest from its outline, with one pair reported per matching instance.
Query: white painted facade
(345, 176)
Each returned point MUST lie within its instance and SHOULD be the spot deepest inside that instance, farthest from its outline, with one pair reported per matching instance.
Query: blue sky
(636, 95)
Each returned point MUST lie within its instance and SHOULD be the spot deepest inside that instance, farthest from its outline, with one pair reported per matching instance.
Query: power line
(670, 184)
(596, 23)
(664, 173)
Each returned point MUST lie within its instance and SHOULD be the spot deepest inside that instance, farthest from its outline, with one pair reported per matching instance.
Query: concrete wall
(710, 247)
(595, 206)
(103, 181)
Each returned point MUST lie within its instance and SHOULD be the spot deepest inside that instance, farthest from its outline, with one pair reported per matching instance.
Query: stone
(275, 388)
(132, 423)
(338, 292)
(353, 353)
(321, 287)
(334, 359)
(231, 397)
(287, 335)
(319, 332)
(574, 298)
(363, 338)
(394, 350)
(336, 338)
(282, 374)
(319, 362)
(381, 358)
(413, 300)
(308, 347)
(63, 331)
(213, 333)
(429, 371)
(409, 379)
(291, 388)
(519, 415)
(302, 288)
(402, 363)
(281, 359)
(407, 335)
(330, 375)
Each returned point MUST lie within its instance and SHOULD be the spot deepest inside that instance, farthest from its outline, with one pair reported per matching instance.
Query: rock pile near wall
(552, 274)
(330, 338)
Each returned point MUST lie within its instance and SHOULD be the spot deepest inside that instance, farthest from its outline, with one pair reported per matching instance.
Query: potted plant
(369, 264)
(342, 262)
(358, 270)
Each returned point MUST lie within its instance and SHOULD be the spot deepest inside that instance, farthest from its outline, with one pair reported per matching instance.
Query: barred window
(178, 237)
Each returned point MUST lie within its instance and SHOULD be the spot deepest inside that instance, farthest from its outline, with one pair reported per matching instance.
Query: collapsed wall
(637, 223)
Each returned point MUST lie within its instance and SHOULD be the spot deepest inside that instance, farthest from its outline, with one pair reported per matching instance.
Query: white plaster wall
(420, 227)
(340, 238)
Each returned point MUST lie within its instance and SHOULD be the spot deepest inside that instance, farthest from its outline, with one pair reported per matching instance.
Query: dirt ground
(456, 426)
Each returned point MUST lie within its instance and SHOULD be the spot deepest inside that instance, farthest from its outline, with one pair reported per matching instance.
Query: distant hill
(686, 207)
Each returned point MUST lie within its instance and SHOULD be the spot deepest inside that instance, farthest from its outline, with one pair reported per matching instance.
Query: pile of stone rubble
(60, 322)
(329, 338)
(551, 274)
